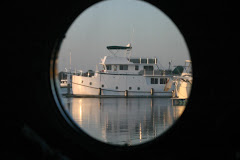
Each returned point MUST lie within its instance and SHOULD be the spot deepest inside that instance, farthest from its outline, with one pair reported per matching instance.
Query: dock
(69, 94)
(113, 96)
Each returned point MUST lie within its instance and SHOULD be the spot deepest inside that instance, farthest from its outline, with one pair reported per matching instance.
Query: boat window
(151, 61)
(130, 88)
(163, 80)
(148, 68)
(109, 67)
(123, 67)
(114, 67)
(116, 87)
(135, 60)
(136, 68)
(138, 88)
(154, 80)
(143, 60)
(102, 85)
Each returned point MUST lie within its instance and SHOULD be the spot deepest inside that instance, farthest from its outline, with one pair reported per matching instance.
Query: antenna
(170, 64)
(70, 59)
(131, 40)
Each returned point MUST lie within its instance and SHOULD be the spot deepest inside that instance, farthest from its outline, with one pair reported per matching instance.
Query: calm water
(123, 120)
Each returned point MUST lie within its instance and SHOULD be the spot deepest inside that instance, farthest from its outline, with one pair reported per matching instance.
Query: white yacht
(126, 76)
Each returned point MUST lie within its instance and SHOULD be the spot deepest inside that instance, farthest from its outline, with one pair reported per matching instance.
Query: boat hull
(118, 85)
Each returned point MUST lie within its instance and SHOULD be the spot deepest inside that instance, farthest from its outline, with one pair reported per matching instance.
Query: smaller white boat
(63, 83)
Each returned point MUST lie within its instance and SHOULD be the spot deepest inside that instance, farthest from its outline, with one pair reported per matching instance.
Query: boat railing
(155, 72)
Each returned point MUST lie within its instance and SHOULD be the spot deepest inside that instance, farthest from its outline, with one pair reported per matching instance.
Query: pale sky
(119, 22)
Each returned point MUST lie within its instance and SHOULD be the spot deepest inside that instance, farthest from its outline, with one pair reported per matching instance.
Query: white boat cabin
(124, 65)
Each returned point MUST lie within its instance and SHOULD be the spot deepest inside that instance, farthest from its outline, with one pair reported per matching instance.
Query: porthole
(101, 117)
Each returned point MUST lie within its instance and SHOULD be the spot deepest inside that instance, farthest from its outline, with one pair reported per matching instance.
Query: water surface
(123, 120)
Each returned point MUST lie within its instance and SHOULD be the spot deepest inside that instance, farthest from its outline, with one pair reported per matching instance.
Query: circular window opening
(113, 34)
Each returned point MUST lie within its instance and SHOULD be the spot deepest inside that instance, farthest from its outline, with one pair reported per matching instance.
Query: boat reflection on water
(123, 120)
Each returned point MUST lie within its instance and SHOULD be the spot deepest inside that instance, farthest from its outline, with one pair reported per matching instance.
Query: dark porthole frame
(82, 140)
(35, 128)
